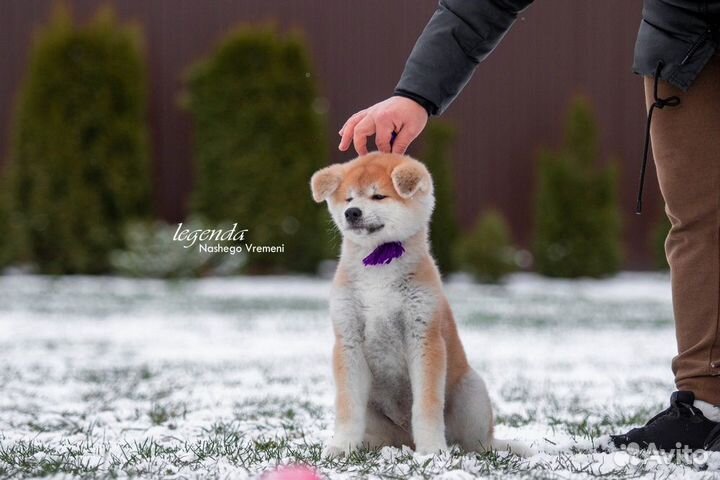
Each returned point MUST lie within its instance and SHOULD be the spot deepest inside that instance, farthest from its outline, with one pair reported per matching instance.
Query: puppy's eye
(377, 196)
(349, 199)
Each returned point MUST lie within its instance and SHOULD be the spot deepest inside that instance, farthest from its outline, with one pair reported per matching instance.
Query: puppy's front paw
(331, 451)
(431, 448)
(339, 449)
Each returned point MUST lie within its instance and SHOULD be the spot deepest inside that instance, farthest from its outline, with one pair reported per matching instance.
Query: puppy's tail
(513, 446)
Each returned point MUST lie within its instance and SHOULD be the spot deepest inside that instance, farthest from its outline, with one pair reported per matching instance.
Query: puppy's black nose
(353, 214)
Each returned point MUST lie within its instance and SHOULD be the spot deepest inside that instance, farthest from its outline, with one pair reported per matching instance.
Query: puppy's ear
(325, 181)
(411, 177)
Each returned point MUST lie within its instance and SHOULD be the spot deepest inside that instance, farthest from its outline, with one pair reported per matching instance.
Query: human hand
(396, 114)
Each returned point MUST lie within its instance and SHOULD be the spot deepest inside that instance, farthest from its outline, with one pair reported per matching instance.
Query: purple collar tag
(384, 254)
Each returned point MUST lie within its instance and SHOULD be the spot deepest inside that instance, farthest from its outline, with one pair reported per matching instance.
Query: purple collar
(384, 254)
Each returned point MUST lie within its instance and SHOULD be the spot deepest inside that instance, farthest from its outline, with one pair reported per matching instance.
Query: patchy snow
(231, 377)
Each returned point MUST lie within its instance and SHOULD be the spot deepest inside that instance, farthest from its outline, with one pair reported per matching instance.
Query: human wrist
(429, 106)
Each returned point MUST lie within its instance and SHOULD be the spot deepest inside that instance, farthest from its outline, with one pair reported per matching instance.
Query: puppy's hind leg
(470, 418)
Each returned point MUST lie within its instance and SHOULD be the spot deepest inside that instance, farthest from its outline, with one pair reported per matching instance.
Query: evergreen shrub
(487, 251)
(79, 169)
(438, 139)
(259, 136)
(577, 223)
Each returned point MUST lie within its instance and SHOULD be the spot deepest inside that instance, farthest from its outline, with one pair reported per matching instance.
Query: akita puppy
(400, 370)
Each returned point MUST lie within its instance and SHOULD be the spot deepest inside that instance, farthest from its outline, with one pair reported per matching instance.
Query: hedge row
(77, 189)
(78, 180)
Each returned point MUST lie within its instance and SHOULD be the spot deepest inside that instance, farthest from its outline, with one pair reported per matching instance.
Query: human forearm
(459, 35)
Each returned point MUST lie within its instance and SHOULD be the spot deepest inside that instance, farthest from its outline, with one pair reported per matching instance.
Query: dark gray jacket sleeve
(459, 35)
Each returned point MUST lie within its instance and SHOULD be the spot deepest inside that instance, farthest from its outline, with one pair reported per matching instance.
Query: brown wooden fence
(514, 105)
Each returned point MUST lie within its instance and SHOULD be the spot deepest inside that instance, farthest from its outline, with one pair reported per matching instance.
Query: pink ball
(294, 472)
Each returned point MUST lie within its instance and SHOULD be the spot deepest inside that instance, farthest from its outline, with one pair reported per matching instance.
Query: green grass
(269, 431)
(106, 378)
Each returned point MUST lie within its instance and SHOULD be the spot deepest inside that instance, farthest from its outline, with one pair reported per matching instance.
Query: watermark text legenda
(210, 240)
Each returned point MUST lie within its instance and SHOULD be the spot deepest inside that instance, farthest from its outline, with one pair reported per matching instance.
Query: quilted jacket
(675, 40)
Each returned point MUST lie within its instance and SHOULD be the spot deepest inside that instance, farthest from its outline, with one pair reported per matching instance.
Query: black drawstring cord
(658, 103)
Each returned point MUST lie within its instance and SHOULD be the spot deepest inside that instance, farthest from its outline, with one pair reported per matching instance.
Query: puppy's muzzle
(353, 215)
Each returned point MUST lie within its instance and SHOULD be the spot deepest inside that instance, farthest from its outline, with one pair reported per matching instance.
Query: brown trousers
(686, 148)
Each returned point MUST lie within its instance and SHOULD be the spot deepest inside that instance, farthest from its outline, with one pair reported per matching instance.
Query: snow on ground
(231, 377)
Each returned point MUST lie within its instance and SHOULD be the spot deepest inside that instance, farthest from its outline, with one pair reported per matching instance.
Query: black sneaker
(712, 442)
(681, 423)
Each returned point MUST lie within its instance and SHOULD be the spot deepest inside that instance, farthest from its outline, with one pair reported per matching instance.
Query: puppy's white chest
(389, 306)
(382, 306)
(385, 350)
(378, 303)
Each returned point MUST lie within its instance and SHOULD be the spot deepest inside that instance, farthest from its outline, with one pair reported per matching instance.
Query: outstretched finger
(384, 135)
(348, 130)
(363, 130)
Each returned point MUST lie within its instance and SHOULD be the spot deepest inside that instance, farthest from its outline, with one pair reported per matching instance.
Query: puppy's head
(376, 198)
